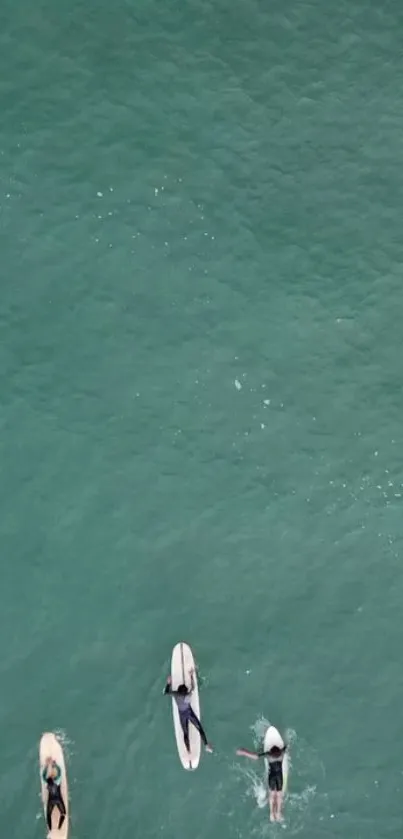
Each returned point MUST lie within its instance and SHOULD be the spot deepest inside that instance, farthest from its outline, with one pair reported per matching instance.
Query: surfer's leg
(280, 782)
(197, 724)
(277, 786)
(184, 718)
(272, 795)
(62, 811)
(272, 805)
(49, 811)
(279, 796)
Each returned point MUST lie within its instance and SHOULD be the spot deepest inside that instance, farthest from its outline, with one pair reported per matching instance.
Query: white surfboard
(50, 746)
(181, 663)
(274, 738)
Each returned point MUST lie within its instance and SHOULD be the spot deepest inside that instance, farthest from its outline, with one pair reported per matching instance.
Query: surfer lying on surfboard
(274, 758)
(183, 698)
(52, 776)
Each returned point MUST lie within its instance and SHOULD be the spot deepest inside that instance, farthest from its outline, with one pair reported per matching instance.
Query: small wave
(259, 729)
(67, 743)
(296, 808)
(256, 787)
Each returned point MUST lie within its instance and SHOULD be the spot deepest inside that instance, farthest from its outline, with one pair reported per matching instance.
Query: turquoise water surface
(201, 409)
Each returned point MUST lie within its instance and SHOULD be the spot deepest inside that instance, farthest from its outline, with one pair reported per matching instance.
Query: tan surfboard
(50, 746)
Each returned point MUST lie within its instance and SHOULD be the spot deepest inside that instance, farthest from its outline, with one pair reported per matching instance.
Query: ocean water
(201, 409)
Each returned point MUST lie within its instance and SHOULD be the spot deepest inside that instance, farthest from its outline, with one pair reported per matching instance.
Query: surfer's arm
(247, 753)
(58, 776)
(168, 687)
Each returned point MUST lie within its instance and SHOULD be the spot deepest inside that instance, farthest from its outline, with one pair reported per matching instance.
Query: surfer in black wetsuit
(52, 776)
(183, 698)
(274, 758)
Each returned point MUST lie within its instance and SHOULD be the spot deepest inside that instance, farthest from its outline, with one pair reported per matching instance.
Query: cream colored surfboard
(50, 746)
(274, 738)
(181, 663)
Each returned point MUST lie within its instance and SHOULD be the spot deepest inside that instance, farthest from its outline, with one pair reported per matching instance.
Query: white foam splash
(259, 729)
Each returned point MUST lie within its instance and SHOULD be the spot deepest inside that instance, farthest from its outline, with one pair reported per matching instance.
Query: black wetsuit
(55, 798)
(186, 714)
(275, 777)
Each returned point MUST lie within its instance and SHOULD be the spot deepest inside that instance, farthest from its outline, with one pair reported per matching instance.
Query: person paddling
(183, 698)
(52, 776)
(275, 778)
